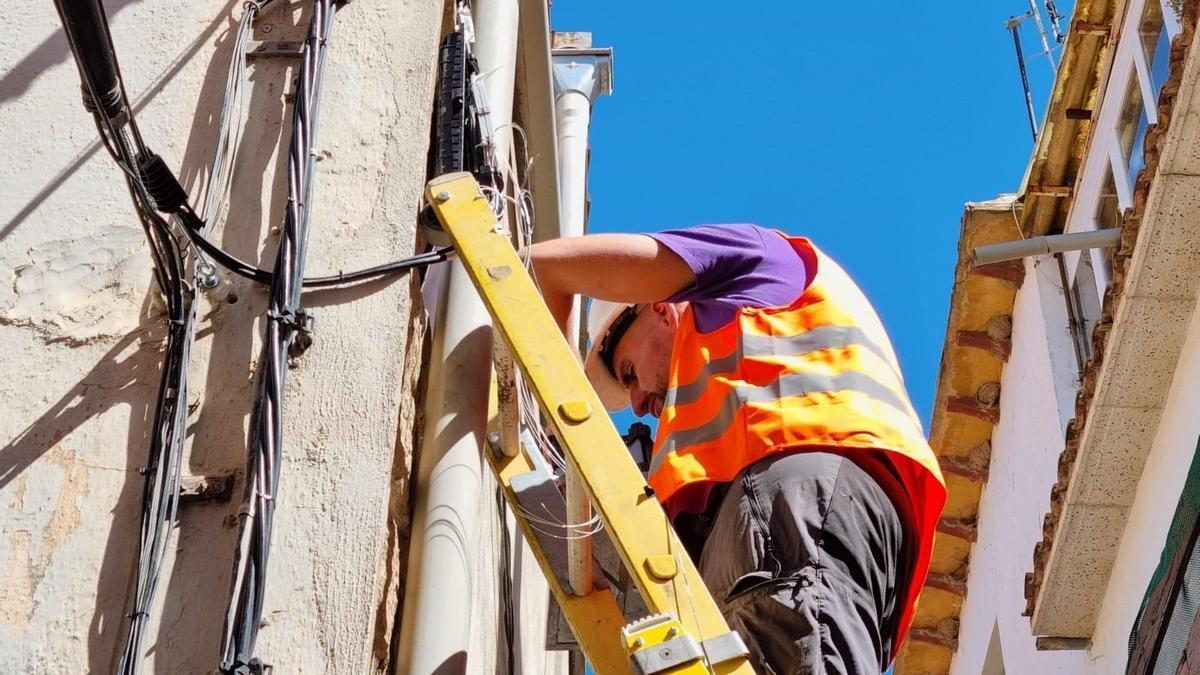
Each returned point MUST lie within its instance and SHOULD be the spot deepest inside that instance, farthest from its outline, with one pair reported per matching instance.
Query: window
(1131, 127)
(1172, 601)
(1108, 208)
(1156, 45)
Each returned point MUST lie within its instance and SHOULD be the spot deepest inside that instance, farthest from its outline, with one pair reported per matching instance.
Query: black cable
(88, 37)
(403, 265)
(250, 271)
(83, 22)
(506, 582)
(286, 321)
(170, 197)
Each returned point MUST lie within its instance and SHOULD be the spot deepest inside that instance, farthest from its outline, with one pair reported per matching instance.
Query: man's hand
(631, 268)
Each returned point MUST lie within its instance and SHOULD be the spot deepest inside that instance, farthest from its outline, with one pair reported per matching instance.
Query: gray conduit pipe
(1055, 243)
(440, 596)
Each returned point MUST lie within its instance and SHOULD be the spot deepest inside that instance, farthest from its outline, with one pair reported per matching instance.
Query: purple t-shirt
(735, 266)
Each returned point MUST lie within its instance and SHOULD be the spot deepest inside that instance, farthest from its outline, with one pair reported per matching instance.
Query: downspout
(439, 603)
(580, 75)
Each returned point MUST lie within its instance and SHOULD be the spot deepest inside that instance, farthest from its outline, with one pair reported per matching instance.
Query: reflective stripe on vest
(787, 386)
(823, 337)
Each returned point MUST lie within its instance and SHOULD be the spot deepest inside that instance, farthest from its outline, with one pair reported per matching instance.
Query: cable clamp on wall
(302, 324)
(254, 666)
(298, 320)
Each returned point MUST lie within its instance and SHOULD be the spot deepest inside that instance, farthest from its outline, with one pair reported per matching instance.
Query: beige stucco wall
(80, 339)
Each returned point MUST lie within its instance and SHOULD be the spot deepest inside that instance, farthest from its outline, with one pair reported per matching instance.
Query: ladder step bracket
(657, 644)
(725, 648)
(540, 497)
(575, 412)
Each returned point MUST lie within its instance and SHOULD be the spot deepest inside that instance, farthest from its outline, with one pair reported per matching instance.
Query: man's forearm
(631, 268)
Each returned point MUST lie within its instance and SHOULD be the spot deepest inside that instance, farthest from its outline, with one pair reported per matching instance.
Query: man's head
(629, 360)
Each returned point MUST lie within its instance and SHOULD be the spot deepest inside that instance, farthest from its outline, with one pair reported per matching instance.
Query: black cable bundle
(458, 135)
(153, 188)
(247, 591)
(88, 35)
(87, 32)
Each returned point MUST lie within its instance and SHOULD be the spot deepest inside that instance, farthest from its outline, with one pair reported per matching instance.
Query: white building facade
(1080, 544)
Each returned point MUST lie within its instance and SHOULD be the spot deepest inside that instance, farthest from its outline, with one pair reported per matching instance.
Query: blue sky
(864, 126)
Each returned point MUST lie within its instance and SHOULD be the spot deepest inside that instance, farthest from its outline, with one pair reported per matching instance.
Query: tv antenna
(1013, 24)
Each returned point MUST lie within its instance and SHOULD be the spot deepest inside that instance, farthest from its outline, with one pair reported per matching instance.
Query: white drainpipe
(440, 595)
(580, 75)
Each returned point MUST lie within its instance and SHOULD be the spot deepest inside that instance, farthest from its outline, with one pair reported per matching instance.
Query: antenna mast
(1013, 24)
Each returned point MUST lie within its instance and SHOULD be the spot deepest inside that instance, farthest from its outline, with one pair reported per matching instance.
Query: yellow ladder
(685, 632)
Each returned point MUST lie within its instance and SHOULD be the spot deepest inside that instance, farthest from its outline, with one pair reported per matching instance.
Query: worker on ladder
(788, 455)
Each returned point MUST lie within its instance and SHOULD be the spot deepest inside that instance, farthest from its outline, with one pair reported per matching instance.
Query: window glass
(1131, 127)
(1086, 302)
(1176, 8)
(1156, 45)
(1108, 210)
(1108, 213)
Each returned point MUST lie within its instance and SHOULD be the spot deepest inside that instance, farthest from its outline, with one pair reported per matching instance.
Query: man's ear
(666, 312)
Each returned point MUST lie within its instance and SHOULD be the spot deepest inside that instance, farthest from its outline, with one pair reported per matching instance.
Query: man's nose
(638, 398)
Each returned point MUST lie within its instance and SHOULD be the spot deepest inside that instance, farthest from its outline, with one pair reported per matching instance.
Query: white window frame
(1104, 152)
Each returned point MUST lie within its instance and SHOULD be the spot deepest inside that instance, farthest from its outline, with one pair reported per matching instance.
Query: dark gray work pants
(805, 555)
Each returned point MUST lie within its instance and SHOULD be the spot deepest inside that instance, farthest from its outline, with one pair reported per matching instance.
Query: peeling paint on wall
(29, 556)
(78, 290)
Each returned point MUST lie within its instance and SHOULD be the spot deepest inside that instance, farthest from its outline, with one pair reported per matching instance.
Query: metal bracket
(274, 48)
(205, 488)
(724, 648)
(668, 656)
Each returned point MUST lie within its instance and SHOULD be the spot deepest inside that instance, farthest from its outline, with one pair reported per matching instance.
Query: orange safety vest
(818, 374)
